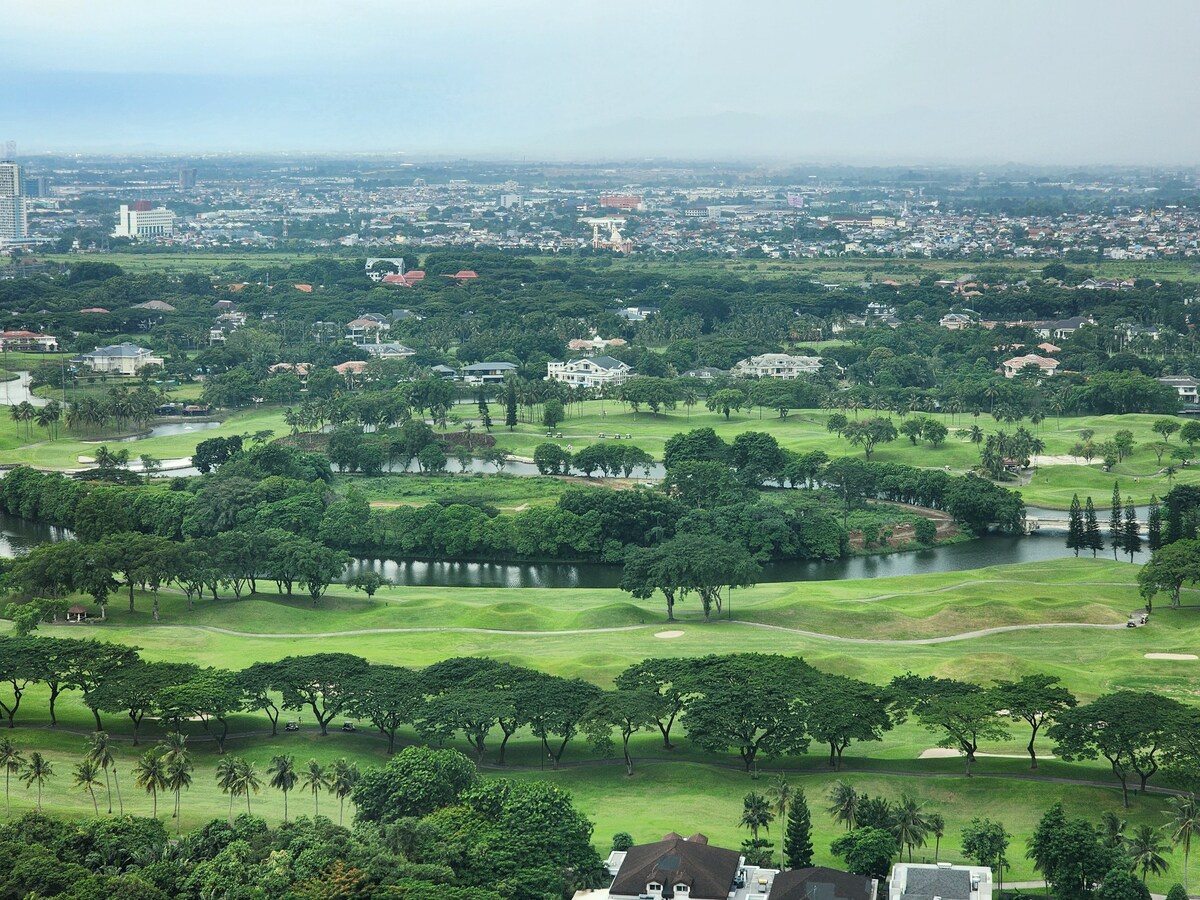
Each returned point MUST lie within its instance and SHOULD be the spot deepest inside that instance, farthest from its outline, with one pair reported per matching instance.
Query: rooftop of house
(708, 871)
(490, 367)
(821, 883)
(125, 349)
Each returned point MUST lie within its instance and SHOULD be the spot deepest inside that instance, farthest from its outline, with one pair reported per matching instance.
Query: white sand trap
(1183, 656)
(1063, 460)
(948, 753)
(668, 634)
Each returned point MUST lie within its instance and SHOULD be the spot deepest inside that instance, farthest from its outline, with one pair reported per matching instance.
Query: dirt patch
(904, 534)
(1179, 656)
(668, 634)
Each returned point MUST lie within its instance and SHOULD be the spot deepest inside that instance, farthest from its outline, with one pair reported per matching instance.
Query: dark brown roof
(708, 871)
(820, 883)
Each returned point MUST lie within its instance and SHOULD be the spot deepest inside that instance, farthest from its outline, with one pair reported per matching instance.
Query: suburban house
(705, 373)
(595, 342)
(1062, 329)
(635, 313)
(595, 371)
(406, 315)
(679, 868)
(27, 340)
(777, 365)
(300, 370)
(156, 305)
(387, 350)
(367, 329)
(911, 881)
(956, 321)
(487, 372)
(1185, 386)
(118, 359)
(1012, 367)
(821, 883)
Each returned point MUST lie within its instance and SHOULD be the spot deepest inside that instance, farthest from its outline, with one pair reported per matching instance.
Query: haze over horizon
(1074, 83)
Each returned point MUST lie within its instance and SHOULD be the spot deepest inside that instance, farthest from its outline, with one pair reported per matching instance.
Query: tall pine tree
(1093, 538)
(485, 415)
(1131, 537)
(1116, 522)
(1154, 524)
(797, 839)
(510, 405)
(1075, 539)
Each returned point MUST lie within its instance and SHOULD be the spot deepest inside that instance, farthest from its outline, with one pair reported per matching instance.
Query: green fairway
(507, 492)
(418, 626)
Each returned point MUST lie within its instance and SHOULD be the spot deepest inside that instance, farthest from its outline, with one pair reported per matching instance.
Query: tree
(1130, 729)
(867, 851)
(432, 459)
(937, 827)
(797, 838)
(1036, 700)
(843, 804)
(1184, 824)
(1116, 524)
(510, 404)
(628, 711)
(413, 783)
(37, 771)
(99, 751)
(86, 778)
(1075, 537)
(150, 774)
(11, 761)
(179, 769)
(986, 842)
(1131, 536)
(666, 679)
(868, 433)
(965, 715)
(909, 826)
(1146, 848)
(228, 781)
(343, 776)
(494, 456)
(1168, 569)
(725, 401)
(756, 814)
(1164, 428)
(316, 779)
(848, 710)
(388, 696)
(136, 689)
(246, 779)
(321, 682)
(552, 413)
(1070, 855)
(1093, 539)
(1121, 884)
(211, 696)
(1154, 525)
(281, 775)
(368, 581)
(935, 432)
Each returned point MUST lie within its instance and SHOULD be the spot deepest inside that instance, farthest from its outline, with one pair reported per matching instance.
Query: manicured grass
(690, 791)
(206, 263)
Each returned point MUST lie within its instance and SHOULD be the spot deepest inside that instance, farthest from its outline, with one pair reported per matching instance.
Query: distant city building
(14, 215)
(142, 221)
(508, 201)
(37, 186)
(596, 371)
(620, 201)
(614, 241)
(777, 365)
(187, 178)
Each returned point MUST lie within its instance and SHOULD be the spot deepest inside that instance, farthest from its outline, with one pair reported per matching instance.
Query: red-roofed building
(303, 288)
(462, 275)
(408, 279)
(94, 309)
(27, 340)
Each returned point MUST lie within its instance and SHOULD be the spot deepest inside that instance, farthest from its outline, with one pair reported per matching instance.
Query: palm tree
(248, 780)
(937, 827)
(756, 813)
(1146, 850)
(780, 794)
(843, 804)
(910, 827)
(343, 777)
(99, 751)
(179, 768)
(87, 776)
(316, 779)
(1185, 821)
(11, 761)
(1112, 830)
(227, 780)
(151, 774)
(37, 771)
(283, 777)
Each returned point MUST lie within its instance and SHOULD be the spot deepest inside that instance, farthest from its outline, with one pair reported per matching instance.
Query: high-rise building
(187, 177)
(37, 186)
(14, 217)
(141, 221)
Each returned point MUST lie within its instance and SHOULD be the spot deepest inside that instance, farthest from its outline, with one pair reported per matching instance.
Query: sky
(1056, 82)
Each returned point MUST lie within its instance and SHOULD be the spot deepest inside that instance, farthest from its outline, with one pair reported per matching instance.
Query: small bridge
(1032, 524)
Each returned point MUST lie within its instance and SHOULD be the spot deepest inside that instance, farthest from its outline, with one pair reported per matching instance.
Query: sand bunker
(668, 634)
(1184, 656)
(948, 753)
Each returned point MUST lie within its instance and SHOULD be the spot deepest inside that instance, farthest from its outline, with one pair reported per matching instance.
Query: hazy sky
(1055, 81)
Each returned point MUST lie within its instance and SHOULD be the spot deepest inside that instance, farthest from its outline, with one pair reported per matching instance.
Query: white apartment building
(777, 365)
(144, 223)
(14, 214)
(595, 371)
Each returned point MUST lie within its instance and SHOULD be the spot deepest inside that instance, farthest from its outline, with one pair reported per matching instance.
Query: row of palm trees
(47, 417)
(168, 767)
